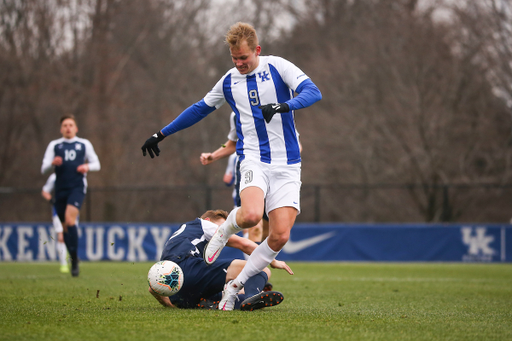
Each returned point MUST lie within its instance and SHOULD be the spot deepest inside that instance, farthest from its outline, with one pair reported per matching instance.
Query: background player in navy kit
(71, 157)
(186, 246)
(259, 89)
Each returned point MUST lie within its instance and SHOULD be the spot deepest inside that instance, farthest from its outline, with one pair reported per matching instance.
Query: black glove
(269, 110)
(151, 145)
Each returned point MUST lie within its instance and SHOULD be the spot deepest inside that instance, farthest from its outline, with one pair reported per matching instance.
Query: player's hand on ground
(57, 161)
(83, 168)
(278, 264)
(206, 158)
(151, 145)
(269, 110)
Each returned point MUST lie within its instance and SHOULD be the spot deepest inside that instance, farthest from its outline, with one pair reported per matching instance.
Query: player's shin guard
(260, 258)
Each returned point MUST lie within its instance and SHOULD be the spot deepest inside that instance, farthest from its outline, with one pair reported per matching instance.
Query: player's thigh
(71, 214)
(252, 201)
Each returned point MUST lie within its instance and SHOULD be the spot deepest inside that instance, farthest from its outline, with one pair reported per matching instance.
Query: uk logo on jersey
(478, 242)
(264, 76)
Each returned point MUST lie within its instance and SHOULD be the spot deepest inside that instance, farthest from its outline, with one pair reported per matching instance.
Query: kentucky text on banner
(25, 242)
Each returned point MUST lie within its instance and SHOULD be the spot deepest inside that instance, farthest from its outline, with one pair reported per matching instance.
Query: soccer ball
(165, 278)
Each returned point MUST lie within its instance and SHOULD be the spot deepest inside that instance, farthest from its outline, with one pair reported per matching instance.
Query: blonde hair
(240, 32)
(215, 215)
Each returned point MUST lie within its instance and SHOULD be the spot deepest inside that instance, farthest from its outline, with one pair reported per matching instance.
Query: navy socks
(71, 240)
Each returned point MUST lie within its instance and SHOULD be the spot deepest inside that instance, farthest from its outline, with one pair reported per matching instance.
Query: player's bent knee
(276, 243)
(251, 218)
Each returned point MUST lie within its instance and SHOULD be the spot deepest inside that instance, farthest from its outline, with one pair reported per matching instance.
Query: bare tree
(401, 104)
(408, 98)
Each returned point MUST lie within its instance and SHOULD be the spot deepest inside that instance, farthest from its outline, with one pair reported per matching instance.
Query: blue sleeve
(308, 94)
(190, 116)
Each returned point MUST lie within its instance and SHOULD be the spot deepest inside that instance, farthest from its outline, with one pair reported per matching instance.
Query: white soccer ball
(165, 278)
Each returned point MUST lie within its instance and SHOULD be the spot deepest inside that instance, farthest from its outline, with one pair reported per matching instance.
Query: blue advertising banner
(308, 242)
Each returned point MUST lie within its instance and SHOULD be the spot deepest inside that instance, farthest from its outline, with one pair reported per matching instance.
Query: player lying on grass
(203, 284)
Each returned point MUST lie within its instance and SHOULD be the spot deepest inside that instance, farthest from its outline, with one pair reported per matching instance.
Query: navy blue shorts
(200, 281)
(72, 196)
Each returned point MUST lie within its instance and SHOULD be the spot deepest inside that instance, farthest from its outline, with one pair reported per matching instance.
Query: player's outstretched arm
(163, 300)
(224, 151)
(247, 246)
(190, 116)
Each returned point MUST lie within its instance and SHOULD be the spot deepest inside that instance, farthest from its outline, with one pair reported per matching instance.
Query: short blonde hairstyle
(240, 32)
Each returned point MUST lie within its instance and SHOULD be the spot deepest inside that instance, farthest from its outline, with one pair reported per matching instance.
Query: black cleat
(262, 300)
(268, 287)
(208, 304)
(74, 268)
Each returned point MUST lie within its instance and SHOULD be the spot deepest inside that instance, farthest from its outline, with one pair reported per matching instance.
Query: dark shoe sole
(262, 300)
(208, 304)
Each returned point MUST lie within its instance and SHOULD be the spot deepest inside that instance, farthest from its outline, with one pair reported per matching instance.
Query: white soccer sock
(62, 252)
(230, 226)
(262, 256)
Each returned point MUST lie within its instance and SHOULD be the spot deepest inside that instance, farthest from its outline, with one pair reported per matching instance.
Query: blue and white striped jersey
(273, 81)
(74, 152)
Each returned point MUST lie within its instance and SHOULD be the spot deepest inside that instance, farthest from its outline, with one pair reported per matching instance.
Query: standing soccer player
(71, 157)
(259, 89)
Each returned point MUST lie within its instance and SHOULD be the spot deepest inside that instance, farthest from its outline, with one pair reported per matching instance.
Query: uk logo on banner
(478, 242)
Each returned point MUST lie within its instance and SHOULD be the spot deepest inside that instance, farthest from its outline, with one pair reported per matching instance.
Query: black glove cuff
(160, 136)
(284, 107)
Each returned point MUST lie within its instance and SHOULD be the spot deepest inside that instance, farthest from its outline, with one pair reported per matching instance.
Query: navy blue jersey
(74, 152)
(189, 240)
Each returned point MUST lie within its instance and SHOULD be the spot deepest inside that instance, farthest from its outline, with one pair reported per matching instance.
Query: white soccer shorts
(279, 183)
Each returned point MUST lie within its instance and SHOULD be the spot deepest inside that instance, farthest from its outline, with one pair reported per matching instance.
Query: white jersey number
(69, 155)
(253, 95)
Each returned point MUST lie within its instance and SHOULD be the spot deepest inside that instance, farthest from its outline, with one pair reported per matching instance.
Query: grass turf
(323, 301)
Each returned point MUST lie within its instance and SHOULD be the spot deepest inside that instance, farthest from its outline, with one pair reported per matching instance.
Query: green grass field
(323, 301)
